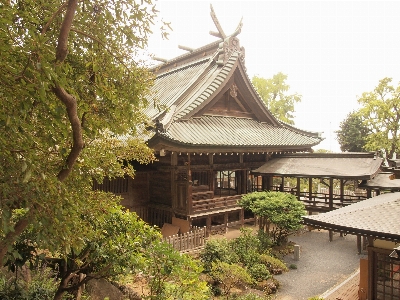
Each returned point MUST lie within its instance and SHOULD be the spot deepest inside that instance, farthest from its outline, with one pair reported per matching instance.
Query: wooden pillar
(189, 199)
(226, 222)
(371, 268)
(378, 192)
(298, 188)
(266, 183)
(369, 193)
(208, 226)
(281, 188)
(330, 194)
(341, 191)
(359, 243)
(240, 158)
(330, 235)
(245, 181)
(310, 188)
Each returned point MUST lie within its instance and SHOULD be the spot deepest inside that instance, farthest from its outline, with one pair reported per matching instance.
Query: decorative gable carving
(231, 103)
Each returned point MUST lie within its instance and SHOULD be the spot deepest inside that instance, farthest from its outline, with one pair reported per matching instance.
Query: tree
(274, 93)
(69, 86)
(352, 133)
(115, 247)
(380, 113)
(283, 210)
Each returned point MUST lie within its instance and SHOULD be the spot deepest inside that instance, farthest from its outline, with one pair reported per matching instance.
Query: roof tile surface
(232, 131)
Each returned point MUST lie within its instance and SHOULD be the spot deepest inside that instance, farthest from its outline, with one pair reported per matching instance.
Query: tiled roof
(186, 89)
(169, 86)
(209, 85)
(360, 166)
(231, 131)
(376, 217)
(382, 181)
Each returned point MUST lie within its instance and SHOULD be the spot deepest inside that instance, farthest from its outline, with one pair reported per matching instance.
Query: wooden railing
(322, 202)
(207, 205)
(191, 241)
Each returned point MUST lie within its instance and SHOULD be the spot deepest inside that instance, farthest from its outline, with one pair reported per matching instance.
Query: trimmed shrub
(274, 265)
(259, 272)
(217, 250)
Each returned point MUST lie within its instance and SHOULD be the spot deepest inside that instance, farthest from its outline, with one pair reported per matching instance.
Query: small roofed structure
(376, 219)
(326, 167)
(346, 165)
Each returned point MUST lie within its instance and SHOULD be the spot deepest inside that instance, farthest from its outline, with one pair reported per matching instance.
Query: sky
(331, 51)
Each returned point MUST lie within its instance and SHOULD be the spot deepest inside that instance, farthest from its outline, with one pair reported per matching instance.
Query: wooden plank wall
(160, 188)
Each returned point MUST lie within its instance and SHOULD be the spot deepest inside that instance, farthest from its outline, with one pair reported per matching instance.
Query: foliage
(259, 271)
(41, 285)
(251, 296)
(273, 264)
(229, 275)
(352, 133)
(172, 275)
(283, 210)
(247, 247)
(115, 247)
(217, 250)
(274, 93)
(380, 113)
(70, 86)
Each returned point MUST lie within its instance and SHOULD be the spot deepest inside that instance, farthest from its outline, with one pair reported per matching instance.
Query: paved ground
(322, 265)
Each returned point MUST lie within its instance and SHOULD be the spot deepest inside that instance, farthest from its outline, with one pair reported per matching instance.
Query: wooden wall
(160, 187)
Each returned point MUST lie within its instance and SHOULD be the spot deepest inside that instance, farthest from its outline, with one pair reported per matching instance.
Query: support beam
(330, 194)
(208, 226)
(298, 188)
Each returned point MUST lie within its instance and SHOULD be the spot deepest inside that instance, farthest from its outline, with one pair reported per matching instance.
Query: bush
(250, 296)
(229, 275)
(259, 272)
(41, 286)
(217, 250)
(274, 265)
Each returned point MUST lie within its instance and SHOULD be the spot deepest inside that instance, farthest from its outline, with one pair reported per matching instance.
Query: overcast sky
(331, 51)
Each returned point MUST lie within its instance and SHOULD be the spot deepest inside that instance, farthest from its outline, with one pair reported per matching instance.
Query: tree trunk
(12, 236)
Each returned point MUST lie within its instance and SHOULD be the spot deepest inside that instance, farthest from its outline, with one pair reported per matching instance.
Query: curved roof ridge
(184, 66)
(307, 132)
(184, 56)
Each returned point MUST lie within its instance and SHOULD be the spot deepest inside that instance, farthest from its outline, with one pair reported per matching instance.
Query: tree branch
(52, 18)
(102, 44)
(78, 143)
(11, 236)
(62, 45)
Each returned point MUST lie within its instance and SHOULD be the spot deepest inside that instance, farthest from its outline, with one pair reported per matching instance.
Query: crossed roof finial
(221, 33)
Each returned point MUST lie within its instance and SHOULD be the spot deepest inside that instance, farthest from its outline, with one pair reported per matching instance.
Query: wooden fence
(191, 241)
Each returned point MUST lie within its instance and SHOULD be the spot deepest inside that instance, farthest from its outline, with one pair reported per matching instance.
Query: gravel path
(322, 265)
